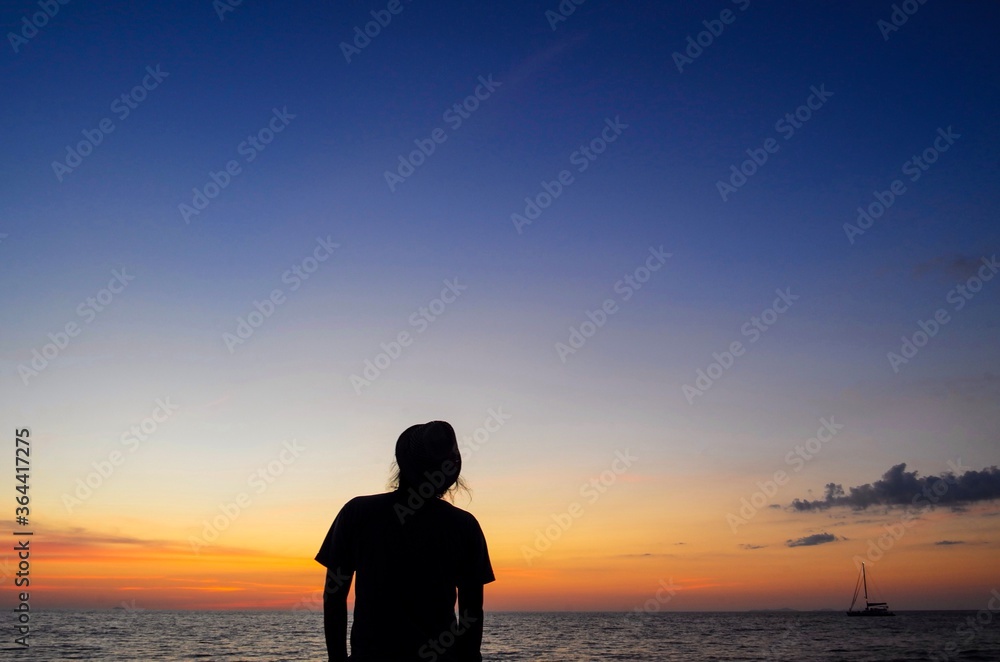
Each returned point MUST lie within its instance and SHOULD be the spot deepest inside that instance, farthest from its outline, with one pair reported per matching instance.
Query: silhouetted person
(411, 552)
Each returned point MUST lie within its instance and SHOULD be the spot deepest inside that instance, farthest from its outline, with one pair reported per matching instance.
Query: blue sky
(655, 185)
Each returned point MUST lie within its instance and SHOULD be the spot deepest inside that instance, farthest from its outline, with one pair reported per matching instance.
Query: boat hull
(872, 614)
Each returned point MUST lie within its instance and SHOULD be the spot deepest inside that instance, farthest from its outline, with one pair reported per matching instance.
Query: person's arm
(335, 614)
(470, 622)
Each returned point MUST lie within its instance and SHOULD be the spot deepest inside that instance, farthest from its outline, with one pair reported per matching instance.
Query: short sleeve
(337, 550)
(478, 569)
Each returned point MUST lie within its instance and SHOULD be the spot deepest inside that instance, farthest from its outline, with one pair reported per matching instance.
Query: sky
(706, 289)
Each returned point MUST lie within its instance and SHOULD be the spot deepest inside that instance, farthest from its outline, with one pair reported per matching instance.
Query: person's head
(428, 459)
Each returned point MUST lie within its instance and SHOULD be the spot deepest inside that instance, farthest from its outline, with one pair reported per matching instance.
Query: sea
(555, 636)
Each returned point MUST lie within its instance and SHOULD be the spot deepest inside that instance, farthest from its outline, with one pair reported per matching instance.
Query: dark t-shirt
(409, 563)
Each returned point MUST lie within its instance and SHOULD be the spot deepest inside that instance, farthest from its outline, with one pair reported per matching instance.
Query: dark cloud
(749, 547)
(899, 487)
(950, 542)
(814, 539)
(953, 267)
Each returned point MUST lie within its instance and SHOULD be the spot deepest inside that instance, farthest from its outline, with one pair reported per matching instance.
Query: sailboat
(871, 608)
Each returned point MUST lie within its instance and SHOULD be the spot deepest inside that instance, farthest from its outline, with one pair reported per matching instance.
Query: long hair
(428, 459)
(460, 484)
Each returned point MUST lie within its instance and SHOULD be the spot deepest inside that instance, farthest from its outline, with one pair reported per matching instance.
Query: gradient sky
(492, 352)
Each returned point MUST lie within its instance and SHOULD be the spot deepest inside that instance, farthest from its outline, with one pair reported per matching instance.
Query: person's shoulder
(367, 501)
(458, 514)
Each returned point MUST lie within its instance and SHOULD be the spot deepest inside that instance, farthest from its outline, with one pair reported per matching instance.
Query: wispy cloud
(952, 267)
(75, 543)
(814, 539)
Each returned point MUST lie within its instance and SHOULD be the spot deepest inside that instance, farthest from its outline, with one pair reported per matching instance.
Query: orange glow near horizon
(579, 571)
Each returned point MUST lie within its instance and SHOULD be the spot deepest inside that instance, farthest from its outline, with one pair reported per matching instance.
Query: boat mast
(864, 578)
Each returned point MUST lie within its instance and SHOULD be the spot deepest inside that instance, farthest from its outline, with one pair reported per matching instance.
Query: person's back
(411, 553)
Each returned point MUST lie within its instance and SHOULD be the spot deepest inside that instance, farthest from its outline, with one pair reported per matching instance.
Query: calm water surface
(562, 636)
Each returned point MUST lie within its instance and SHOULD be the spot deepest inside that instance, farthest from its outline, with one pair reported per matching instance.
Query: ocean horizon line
(512, 611)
